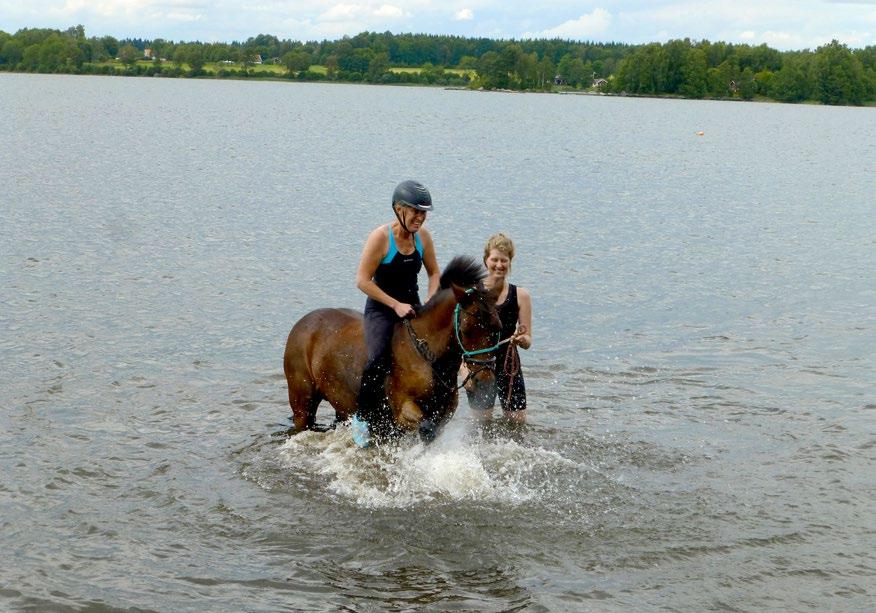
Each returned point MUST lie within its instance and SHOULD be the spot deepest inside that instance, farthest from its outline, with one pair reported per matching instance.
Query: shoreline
(274, 77)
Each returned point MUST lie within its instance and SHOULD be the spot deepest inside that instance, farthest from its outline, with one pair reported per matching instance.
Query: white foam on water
(457, 466)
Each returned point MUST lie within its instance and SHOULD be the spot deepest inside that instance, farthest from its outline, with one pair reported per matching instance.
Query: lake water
(702, 382)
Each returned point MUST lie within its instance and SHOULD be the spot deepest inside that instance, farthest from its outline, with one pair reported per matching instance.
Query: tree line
(831, 74)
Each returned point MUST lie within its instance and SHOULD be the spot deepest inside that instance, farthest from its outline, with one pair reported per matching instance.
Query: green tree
(431, 73)
(747, 85)
(11, 53)
(76, 32)
(545, 74)
(357, 60)
(195, 59)
(673, 60)
(468, 62)
(296, 61)
(179, 56)
(129, 55)
(765, 80)
(839, 75)
(792, 82)
(722, 80)
(378, 65)
(580, 73)
(526, 70)
(98, 51)
(59, 53)
(111, 45)
(867, 57)
(489, 76)
(694, 74)
(245, 59)
(331, 66)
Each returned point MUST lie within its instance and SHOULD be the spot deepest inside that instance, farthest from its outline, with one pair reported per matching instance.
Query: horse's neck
(435, 325)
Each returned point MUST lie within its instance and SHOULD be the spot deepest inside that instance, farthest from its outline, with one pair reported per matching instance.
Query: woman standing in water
(515, 311)
(391, 260)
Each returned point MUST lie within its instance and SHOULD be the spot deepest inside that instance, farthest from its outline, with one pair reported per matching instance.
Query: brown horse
(325, 355)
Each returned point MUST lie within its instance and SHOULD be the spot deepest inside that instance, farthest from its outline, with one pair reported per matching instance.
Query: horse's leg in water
(304, 399)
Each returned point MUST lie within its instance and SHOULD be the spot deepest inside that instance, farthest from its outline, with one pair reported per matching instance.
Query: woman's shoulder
(378, 239)
(522, 293)
(381, 232)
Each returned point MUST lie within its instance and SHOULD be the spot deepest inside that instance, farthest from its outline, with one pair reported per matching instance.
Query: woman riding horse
(326, 351)
(387, 274)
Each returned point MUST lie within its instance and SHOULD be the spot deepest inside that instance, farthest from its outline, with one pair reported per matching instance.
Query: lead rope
(511, 367)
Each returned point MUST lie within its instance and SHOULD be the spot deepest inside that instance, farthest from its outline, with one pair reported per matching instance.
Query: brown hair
(499, 242)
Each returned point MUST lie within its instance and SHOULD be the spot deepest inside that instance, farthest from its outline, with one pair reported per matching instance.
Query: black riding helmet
(413, 194)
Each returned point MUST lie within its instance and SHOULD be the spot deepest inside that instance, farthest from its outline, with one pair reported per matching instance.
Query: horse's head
(478, 332)
(476, 328)
(463, 315)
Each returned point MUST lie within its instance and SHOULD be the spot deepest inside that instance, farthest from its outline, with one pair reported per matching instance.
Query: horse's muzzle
(428, 430)
(481, 396)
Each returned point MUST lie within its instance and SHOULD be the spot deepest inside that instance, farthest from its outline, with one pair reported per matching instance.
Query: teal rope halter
(467, 353)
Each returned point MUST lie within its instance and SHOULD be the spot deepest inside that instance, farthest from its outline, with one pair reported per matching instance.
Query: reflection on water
(700, 429)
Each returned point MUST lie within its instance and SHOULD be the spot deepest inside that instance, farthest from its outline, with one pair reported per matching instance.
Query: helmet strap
(401, 220)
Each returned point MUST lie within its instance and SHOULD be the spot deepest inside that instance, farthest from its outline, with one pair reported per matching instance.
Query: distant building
(147, 53)
(559, 80)
(598, 83)
(257, 59)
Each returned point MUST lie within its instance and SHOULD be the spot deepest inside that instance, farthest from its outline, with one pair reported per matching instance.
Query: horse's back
(323, 329)
(325, 351)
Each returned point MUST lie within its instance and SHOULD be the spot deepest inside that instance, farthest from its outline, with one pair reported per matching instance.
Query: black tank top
(509, 312)
(397, 274)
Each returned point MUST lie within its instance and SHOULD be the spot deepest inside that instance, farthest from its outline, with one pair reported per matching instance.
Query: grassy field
(457, 71)
(273, 69)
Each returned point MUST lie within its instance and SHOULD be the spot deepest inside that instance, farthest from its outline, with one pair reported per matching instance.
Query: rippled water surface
(702, 385)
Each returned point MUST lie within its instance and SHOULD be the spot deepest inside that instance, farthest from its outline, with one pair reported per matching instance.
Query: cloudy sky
(782, 24)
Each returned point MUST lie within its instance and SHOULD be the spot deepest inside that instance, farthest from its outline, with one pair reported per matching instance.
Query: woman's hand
(521, 338)
(404, 310)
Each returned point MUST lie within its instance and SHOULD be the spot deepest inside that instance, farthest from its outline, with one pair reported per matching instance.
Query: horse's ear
(463, 295)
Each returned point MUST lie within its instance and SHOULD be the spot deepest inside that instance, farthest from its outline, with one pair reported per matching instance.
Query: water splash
(459, 465)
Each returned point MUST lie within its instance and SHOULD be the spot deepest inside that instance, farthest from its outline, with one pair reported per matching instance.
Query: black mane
(463, 270)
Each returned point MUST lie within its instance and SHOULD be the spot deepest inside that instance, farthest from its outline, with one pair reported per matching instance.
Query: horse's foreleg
(409, 415)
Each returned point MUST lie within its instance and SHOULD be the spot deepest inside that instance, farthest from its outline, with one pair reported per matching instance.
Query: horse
(325, 356)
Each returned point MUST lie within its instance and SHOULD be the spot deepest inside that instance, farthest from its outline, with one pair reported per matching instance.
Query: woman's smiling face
(498, 264)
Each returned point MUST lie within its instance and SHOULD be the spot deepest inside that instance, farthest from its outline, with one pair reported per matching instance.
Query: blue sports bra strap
(418, 243)
(392, 248)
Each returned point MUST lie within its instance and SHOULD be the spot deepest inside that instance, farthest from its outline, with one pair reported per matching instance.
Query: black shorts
(517, 400)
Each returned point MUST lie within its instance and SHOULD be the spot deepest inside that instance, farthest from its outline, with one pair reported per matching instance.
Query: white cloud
(184, 16)
(464, 15)
(779, 39)
(104, 8)
(747, 35)
(590, 25)
(344, 12)
(355, 12)
(390, 11)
